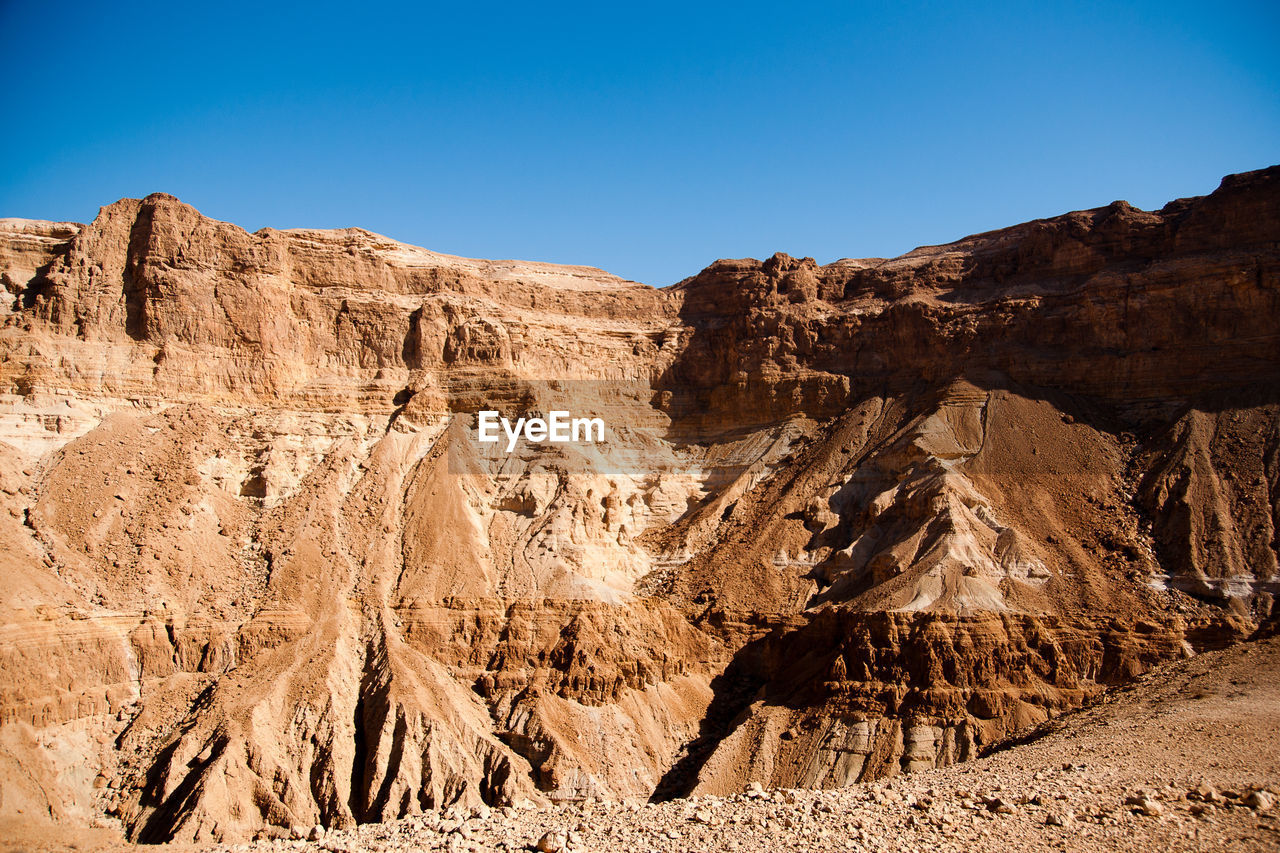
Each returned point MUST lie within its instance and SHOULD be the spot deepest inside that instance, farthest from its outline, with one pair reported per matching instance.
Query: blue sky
(648, 139)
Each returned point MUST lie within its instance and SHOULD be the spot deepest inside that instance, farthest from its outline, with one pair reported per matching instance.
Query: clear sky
(645, 138)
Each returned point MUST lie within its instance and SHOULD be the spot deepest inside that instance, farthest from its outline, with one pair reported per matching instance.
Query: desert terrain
(973, 547)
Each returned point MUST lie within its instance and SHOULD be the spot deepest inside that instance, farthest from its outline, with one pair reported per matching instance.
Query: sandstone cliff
(851, 520)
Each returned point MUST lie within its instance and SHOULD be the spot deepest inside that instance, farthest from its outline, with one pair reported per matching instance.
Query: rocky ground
(1186, 758)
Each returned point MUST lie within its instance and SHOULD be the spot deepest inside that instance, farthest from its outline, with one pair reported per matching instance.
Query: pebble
(1259, 800)
(551, 842)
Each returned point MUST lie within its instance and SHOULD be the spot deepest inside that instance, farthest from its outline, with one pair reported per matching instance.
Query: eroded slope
(851, 520)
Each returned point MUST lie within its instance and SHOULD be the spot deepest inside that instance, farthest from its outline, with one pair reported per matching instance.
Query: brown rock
(551, 842)
(1259, 800)
(895, 510)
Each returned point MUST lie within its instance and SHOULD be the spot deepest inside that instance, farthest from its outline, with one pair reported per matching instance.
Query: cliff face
(851, 520)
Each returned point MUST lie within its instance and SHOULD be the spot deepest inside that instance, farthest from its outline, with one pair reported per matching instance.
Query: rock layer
(850, 521)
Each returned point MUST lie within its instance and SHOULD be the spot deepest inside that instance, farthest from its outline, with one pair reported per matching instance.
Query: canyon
(850, 521)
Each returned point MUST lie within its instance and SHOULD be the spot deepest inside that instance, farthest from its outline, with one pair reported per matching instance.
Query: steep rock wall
(851, 520)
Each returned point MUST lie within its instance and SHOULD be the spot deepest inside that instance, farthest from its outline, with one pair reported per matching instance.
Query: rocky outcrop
(850, 520)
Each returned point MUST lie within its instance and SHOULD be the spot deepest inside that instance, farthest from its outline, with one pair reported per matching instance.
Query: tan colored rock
(552, 842)
(1262, 801)
(853, 520)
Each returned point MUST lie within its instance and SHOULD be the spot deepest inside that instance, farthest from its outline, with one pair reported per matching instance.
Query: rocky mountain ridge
(852, 520)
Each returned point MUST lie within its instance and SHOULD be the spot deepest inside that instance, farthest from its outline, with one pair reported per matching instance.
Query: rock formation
(850, 520)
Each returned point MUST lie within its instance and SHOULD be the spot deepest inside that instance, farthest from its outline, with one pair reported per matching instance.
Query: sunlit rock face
(847, 521)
